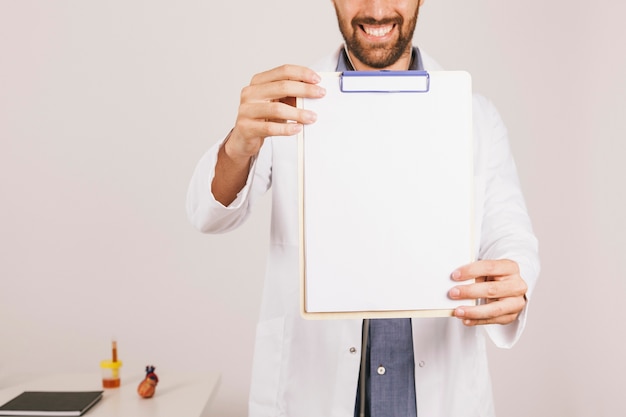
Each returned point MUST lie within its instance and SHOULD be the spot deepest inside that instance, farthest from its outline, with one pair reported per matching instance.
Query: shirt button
(422, 364)
(353, 350)
(381, 370)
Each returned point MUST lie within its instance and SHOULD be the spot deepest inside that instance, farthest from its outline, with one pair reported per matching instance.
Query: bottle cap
(109, 364)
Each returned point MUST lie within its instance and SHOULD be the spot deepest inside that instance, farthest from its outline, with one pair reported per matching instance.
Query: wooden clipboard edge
(472, 255)
(433, 313)
(301, 243)
(340, 315)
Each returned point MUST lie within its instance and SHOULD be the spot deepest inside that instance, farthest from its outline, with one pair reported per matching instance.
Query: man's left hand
(499, 287)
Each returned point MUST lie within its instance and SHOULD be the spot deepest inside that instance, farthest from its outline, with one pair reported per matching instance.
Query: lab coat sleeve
(210, 216)
(506, 231)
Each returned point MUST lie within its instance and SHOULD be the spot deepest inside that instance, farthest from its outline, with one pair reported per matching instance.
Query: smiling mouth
(378, 31)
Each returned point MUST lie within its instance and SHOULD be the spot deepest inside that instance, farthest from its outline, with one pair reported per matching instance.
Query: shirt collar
(344, 64)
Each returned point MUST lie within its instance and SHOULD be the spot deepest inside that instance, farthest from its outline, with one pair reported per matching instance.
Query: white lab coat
(310, 368)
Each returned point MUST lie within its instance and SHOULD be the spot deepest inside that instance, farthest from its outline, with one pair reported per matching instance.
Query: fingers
(287, 72)
(501, 311)
(260, 120)
(486, 268)
(267, 107)
(275, 102)
(283, 82)
(499, 288)
(275, 90)
(255, 130)
(514, 286)
(273, 112)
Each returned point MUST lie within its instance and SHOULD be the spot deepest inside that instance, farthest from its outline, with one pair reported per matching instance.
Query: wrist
(230, 152)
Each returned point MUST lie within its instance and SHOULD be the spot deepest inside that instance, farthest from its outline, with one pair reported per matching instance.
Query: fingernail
(455, 292)
(456, 274)
(316, 78)
(295, 128)
(310, 117)
(459, 312)
(321, 91)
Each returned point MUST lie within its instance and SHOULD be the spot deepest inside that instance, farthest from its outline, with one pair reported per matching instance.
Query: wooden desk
(178, 394)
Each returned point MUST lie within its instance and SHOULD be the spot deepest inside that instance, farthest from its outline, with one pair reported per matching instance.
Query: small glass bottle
(110, 373)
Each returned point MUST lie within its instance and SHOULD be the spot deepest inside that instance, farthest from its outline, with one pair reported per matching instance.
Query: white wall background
(105, 107)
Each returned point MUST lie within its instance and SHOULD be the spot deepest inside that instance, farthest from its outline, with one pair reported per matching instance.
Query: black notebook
(51, 403)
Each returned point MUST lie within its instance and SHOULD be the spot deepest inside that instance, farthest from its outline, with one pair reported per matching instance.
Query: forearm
(230, 176)
(208, 214)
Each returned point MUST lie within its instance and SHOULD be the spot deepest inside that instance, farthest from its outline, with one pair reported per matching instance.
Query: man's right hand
(267, 105)
(267, 108)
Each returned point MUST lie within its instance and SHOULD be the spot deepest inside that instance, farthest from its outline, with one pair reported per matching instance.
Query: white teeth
(378, 31)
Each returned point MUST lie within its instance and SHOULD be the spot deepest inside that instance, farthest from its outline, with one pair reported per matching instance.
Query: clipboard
(385, 194)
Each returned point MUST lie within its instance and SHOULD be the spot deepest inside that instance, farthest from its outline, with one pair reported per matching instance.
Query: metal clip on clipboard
(385, 81)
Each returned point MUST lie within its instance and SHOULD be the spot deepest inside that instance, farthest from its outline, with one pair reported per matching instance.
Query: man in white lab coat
(311, 368)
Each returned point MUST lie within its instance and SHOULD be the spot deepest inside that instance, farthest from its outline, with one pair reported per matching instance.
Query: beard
(377, 55)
